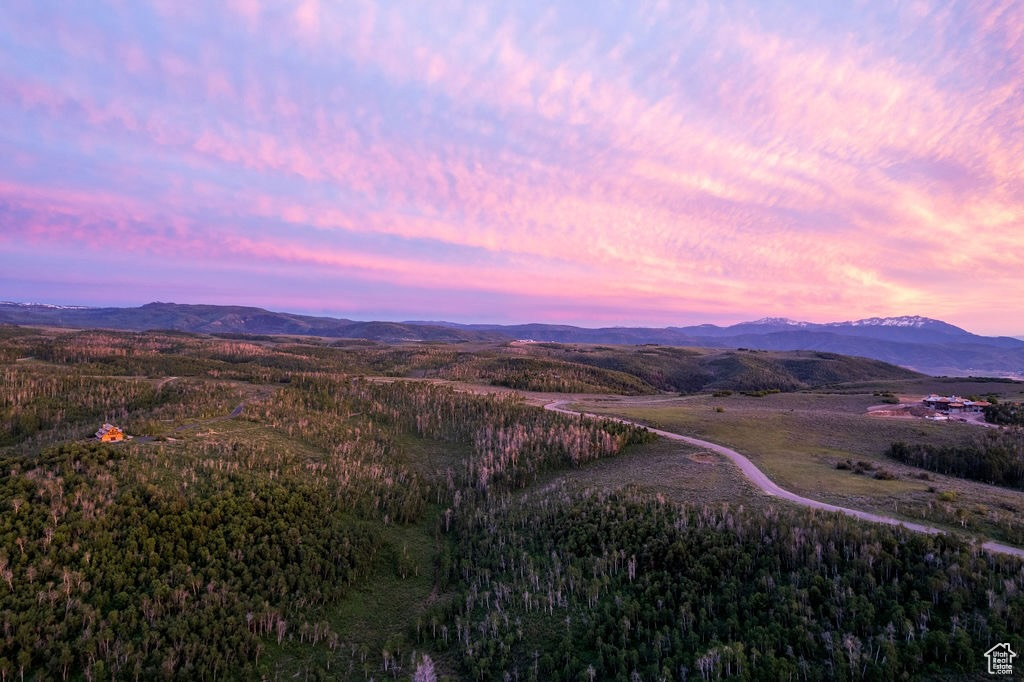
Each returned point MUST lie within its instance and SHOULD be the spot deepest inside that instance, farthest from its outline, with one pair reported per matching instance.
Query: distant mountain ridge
(218, 319)
(920, 343)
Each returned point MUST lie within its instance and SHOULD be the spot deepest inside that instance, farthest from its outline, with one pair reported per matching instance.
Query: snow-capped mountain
(915, 321)
(914, 327)
(50, 306)
(780, 322)
(913, 341)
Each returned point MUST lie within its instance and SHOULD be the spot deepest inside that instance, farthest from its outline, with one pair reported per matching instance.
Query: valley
(511, 342)
(314, 508)
(910, 341)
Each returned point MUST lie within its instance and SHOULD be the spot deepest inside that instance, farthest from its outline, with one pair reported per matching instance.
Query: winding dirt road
(769, 487)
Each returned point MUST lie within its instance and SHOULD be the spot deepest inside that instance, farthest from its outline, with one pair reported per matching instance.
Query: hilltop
(297, 507)
(919, 343)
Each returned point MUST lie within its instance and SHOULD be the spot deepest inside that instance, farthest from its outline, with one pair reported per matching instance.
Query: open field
(799, 438)
(390, 612)
(678, 472)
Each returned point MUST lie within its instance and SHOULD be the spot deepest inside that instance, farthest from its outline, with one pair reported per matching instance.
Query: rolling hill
(216, 319)
(919, 343)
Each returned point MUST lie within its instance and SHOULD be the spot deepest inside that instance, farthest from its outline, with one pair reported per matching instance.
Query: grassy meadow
(798, 439)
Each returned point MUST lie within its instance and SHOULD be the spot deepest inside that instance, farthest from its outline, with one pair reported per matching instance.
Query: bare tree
(425, 671)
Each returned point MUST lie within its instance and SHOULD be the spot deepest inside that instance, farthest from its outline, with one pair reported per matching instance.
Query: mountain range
(919, 343)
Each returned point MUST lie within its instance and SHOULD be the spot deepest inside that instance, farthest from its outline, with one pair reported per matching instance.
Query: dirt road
(769, 487)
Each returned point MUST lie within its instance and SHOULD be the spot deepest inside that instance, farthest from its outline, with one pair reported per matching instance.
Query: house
(954, 404)
(109, 434)
(938, 402)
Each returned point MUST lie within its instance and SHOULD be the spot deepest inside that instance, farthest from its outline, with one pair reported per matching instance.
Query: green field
(675, 471)
(798, 439)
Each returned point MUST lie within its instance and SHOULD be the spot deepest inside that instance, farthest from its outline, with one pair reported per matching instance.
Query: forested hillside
(301, 511)
(628, 370)
(222, 548)
(568, 368)
(692, 369)
(931, 346)
(564, 587)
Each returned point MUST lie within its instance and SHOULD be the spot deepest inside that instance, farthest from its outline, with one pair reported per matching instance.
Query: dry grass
(677, 471)
(798, 439)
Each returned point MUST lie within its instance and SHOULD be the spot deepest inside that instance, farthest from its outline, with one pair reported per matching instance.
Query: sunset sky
(585, 163)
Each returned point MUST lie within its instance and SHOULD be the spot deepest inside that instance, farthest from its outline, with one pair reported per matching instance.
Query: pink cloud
(307, 19)
(249, 10)
(574, 169)
(134, 58)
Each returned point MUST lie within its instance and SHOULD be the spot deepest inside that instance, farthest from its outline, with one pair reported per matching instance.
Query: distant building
(954, 403)
(109, 433)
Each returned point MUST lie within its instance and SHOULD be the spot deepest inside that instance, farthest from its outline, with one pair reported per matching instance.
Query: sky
(597, 164)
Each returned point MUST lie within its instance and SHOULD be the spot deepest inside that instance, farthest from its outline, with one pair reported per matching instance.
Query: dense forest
(112, 573)
(652, 368)
(271, 486)
(1007, 414)
(569, 587)
(994, 456)
(189, 556)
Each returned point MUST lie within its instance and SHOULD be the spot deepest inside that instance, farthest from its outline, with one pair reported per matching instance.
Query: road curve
(769, 487)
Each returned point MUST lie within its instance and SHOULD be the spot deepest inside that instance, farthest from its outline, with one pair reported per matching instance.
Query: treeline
(1010, 414)
(163, 353)
(995, 456)
(41, 405)
(33, 400)
(599, 587)
(511, 442)
(532, 367)
(690, 370)
(526, 373)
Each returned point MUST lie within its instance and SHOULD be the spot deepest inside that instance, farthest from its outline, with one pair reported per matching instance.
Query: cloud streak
(647, 164)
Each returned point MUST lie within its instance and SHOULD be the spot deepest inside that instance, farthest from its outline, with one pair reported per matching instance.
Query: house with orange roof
(954, 403)
(109, 433)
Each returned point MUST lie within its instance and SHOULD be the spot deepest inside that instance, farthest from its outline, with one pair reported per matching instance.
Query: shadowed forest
(358, 519)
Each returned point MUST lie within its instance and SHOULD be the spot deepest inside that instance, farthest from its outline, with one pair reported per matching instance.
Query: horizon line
(424, 321)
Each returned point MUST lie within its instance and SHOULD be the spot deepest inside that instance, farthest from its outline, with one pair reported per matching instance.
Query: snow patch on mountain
(780, 322)
(46, 305)
(914, 321)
